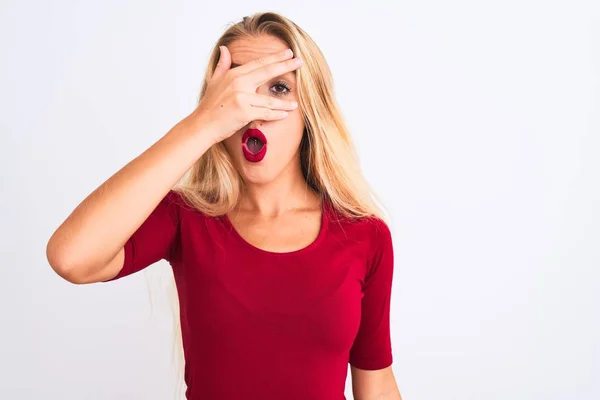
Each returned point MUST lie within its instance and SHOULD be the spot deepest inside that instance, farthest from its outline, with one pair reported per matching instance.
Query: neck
(287, 192)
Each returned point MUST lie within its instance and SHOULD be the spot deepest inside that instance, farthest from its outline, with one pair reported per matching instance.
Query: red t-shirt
(265, 325)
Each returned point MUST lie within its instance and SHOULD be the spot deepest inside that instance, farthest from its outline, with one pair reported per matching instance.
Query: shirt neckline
(307, 248)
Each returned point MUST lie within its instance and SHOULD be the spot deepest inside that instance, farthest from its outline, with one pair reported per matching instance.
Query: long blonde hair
(328, 157)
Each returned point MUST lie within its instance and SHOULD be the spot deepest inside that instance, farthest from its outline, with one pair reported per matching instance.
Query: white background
(478, 122)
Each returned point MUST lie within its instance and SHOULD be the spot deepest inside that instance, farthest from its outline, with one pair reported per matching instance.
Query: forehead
(244, 50)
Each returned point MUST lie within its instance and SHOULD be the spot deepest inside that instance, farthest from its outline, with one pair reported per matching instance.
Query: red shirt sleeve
(372, 347)
(154, 239)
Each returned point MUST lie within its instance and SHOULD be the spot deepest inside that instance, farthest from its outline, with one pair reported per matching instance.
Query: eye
(282, 88)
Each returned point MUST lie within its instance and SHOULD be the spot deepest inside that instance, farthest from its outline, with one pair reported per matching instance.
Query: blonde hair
(329, 161)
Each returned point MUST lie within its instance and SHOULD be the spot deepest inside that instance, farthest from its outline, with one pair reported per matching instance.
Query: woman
(282, 261)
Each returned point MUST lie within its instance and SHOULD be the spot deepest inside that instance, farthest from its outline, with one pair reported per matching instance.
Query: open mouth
(254, 145)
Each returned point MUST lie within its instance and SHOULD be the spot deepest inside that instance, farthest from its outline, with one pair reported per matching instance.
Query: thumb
(224, 62)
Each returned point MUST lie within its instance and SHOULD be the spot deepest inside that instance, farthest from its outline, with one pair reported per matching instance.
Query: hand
(231, 102)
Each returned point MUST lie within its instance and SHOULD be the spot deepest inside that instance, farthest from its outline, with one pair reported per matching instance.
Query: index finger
(261, 62)
(261, 75)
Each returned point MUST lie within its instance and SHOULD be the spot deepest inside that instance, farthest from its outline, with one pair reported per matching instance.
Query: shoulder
(178, 202)
(379, 236)
(174, 198)
(190, 216)
(380, 252)
(172, 203)
(371, 227)
(177, 207)
(371, 238)
(372, 232)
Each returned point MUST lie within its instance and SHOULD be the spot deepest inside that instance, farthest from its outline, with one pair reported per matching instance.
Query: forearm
(97, 229)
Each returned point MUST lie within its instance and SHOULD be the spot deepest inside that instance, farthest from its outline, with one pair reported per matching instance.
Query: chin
(256, 173)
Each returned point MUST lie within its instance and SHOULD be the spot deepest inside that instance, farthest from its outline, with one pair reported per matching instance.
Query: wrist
(194, 135)
(203, 130)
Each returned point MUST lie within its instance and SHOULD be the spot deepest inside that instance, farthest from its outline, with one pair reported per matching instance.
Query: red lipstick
(254, 145)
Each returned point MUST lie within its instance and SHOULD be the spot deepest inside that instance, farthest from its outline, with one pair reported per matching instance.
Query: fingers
(266, 114)
(263, 74)
(224, 62)
(268, 108)
(259, 100)
(261, 62)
